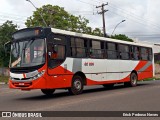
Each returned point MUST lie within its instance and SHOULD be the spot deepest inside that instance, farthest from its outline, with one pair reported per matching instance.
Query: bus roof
(64, 32)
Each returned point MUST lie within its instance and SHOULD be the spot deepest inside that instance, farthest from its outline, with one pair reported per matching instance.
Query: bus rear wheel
(77, 86)
(133, 80)
(48, 92)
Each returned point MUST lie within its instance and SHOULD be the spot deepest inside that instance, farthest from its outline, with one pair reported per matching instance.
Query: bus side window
(144, 53)
(136, 53)
(150, 54)
(78, 47)
(56, 55)
(111, 51)
(131, 52)
(96, 49)
(124, 51)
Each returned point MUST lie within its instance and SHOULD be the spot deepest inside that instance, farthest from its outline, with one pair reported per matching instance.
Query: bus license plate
(21, 83)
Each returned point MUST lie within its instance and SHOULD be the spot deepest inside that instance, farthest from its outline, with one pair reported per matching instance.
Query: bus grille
(21, 79)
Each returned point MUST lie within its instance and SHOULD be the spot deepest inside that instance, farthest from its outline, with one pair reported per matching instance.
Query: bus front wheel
(77, 86)
(48, 92)
(133, 80)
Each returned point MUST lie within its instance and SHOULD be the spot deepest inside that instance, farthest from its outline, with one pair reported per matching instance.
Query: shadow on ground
(87, 90)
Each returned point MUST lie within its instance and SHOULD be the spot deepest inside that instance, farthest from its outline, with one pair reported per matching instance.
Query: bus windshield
(27, 53)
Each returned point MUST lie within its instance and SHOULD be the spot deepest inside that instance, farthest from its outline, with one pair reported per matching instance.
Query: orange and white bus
(49, 58)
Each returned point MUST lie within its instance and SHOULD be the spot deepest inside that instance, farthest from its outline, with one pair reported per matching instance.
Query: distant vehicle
(48, 59)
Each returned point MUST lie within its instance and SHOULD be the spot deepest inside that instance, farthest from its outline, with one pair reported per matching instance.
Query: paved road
(144, 97)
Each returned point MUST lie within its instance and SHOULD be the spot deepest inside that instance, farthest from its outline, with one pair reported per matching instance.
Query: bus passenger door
(56, 54)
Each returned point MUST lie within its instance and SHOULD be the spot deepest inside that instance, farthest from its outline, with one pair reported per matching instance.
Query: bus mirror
(7, 47)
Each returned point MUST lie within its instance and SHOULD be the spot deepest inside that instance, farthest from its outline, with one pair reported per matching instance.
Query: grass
(150, 79)
(4, 79)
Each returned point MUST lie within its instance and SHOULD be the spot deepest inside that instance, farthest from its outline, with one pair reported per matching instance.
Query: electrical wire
(86, 3)
(136, 17)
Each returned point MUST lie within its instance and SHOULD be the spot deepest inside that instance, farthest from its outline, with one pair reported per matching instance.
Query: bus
(49, 59)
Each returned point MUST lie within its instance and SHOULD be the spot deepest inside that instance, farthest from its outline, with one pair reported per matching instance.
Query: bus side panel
(64, 69)
(61, 76)
(113, 70)
(95, 69)
(144, 70)
(59, 81)
(126, 67)
(92, 82)
(148, 73)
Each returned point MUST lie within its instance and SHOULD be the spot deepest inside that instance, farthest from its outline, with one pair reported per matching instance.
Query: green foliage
(157, 62)
(150, 79)
(122, 37)
(97, 32)
(57, 17)
(6, 31)
(4, 79)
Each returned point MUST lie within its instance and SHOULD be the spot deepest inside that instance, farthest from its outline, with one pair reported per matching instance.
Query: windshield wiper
(28, 43)
(24, 47)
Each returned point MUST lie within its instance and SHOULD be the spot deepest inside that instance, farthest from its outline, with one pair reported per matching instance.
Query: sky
(142, 16)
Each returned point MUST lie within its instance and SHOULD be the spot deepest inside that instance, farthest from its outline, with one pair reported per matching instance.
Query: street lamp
(38, 11)
(117, 25)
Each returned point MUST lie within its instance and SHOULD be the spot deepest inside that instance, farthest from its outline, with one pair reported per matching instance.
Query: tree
(97, 32)
(122, 37)
(57, 17)
(6, 31)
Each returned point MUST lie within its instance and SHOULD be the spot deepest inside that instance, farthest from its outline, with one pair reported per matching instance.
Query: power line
(10, 17)
(134, 15)
(86, 3)
(124, 11)
(12, 14)
(136, 20)
(12, 20)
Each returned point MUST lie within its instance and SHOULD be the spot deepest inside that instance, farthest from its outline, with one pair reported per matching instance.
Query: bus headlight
(38, 75)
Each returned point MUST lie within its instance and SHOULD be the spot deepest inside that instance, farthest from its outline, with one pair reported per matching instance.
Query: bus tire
(77, 85)
(48, 92)
(108, 86)
(133, 80)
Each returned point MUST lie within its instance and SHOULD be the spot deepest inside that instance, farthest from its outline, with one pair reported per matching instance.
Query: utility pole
(103, 17)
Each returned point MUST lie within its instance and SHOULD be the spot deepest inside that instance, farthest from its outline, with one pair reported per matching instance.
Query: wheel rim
(77, 85)
(134, 79)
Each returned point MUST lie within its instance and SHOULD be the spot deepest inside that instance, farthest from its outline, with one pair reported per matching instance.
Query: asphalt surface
(144, 97)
